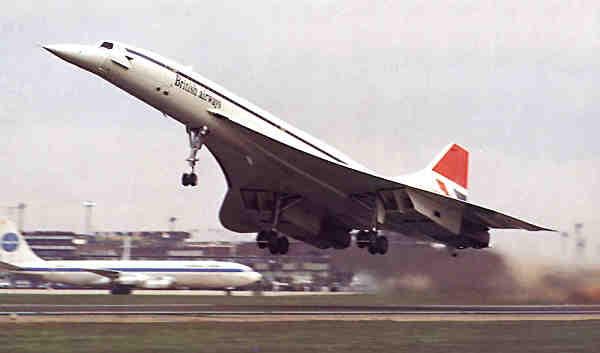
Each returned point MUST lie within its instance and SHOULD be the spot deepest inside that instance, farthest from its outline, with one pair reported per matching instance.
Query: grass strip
(316, 336)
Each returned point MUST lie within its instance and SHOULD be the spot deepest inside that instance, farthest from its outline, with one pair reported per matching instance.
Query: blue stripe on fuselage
(138, 269)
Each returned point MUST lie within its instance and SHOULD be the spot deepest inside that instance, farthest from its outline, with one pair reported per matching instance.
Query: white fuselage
(188, 97)
(145, 274)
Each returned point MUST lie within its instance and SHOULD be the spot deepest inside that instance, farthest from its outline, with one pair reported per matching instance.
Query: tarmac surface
(26, 312)
(214, 312)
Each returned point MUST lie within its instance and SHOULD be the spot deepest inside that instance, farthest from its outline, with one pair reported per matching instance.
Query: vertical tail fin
(14, 249)
(450, 169)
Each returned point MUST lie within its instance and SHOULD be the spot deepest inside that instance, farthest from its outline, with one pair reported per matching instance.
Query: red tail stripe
(442, 187)
(454, 165)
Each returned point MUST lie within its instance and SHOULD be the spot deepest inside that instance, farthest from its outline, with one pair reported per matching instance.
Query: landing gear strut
(376, 244)
(277, 244)
(196, 138)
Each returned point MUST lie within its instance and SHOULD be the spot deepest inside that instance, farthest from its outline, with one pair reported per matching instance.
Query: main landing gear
(376, 244)
(120, 290)
(276, 244)
(196, 138)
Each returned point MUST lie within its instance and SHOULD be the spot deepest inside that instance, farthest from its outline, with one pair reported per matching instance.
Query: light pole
(88, 205)
(21, 207)
(580, 240)
(172, 221)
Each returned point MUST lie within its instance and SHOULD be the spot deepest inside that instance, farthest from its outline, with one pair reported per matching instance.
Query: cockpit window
(107, 45)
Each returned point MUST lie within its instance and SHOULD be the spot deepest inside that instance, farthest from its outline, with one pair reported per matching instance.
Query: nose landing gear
(196, 138)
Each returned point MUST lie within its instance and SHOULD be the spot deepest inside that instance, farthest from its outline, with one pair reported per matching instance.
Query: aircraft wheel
(261, 240)
(193, 179)
(185, 179)
(273, 242)
(283, 245)
(362, 239)
(273, 249)
(120, 290)
(373, 249)
(382, 244)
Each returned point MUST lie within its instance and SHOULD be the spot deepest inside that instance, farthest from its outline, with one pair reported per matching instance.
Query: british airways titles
(191, 88)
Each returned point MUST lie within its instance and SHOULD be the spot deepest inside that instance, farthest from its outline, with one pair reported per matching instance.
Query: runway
(295, 312)
(36, 305)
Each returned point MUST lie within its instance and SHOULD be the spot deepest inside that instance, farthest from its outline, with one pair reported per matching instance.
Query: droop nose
(86, 57)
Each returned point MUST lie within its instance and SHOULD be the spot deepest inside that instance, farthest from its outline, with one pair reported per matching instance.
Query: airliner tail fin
(14, 250)
(450, 169)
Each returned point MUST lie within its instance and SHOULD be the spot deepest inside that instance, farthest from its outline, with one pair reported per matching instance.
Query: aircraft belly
(205, 280)
(247, 163)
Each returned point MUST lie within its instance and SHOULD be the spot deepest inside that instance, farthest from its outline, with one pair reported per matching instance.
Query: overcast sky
(517, 83)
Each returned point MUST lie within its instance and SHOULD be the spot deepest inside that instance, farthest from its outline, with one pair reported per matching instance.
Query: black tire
(373, 249)
(273, 242)
(261, 240)
(372, 237)
(382, 245)
(120, 290)
(185, 181)
(193, 179)
(283, 245)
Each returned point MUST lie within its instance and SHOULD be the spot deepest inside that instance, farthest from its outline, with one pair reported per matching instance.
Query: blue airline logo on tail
(10, 242)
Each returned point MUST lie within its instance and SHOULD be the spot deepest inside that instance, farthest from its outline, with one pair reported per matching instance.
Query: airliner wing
(334, 186)
(105, 273)
(484, 216)
(9, 267)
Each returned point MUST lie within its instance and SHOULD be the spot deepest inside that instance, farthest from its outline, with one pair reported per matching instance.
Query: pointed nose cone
(88, 58)
(67, 52)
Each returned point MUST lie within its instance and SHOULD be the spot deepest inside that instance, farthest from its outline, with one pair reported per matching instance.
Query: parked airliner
(282, 182)
(120, 276)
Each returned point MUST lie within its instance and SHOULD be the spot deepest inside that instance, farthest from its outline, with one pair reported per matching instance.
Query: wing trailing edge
(426, 203)
(9, 267)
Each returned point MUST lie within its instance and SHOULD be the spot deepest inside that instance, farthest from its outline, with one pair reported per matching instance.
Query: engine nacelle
(132, 281)
(309, 226)
(157, 283)
(479, 240)
(476, 240)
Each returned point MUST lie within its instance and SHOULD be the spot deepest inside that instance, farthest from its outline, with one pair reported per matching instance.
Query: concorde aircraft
(123, 275)
(282, 182)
